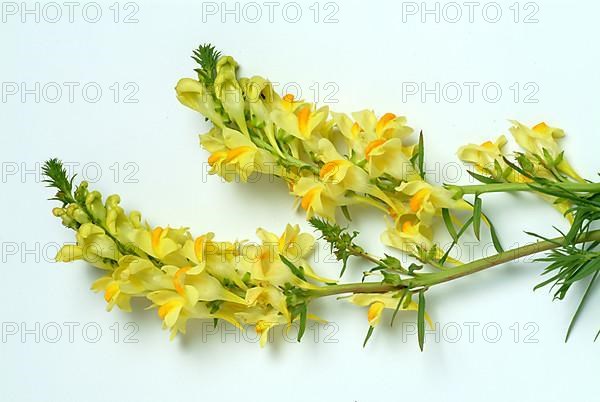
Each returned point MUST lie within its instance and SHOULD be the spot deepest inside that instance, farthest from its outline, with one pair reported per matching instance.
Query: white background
(371, 55)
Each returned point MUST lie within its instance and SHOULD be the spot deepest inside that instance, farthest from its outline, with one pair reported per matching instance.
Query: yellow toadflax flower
(426, 201)
(318, 198)
(233, 154)
(409, 235)
(339, 170)
(302, 121)
(228, 91)
(485, 156)
(378, 302)
(539, 143)
(329, 160)
(196, 96)
(540, 140)
(184, 277)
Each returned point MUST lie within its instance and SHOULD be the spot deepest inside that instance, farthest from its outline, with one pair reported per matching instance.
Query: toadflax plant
(266, 284)
(333, 160)
(329, 160)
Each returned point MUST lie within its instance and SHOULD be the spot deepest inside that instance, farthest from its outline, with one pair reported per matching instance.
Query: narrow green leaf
(477, 216)
(518, 168)
(369, 333)
(587, 268)
(421, 319)
(495, 239)
(448, 223)
(581, 303)
(346, 213)
(400, 300)
(482, 178)
(459, 234)
(299, 272)
(421, 155)
(302, 328)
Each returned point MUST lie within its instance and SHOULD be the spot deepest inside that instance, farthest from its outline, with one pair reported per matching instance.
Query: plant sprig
(57, 177)
(206, 56)
(571, 261)
(341, 242)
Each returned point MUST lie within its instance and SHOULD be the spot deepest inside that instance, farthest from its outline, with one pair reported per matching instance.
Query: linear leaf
(421, 155)
(400, 300)
(369, 333)
(448, 223)
(299, 272)
(495, 239)
(303, 315)
(482, 178)
(477, 216)
(346, 213)
(583, 299)
(421, 319)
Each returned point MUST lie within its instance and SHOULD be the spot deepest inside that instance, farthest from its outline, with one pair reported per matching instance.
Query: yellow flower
(318, 198)
(263, 320)
(302, 122)
(185, 277)
(542, 137)
(93, 245)
(356, 137)
(338, 170)
(229, 92)
(295, 246)
(213, 140)
(536, 139)
(288, 103)
(378, 302)
(239, 153)
(259, 94)
(137, 275)
(484, 156)
(194, 95)
(388, 156)
(266, 295)
(427, 201)
(195, 284)
(112, 293)
(173, 309)
(386, 127)
(408, 235)
(157, 242)
(264, 264)
(367, 128)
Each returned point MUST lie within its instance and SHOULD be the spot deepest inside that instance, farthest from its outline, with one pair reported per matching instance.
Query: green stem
(512, 187)
(372, 202)
(427, 280)
(361, 287)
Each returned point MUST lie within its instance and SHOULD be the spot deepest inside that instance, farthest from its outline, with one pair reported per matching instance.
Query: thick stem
(429, 279)
(374, 287)
(435, 278)
(512, 187)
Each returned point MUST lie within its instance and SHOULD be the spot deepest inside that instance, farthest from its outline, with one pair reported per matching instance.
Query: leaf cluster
(206, 56)
(341, 241)
(57, 177)
(572, 262)
(297, 300)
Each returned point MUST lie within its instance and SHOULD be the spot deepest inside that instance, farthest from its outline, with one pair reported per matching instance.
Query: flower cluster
(261, 285)
(329, 160)
(541, 158)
